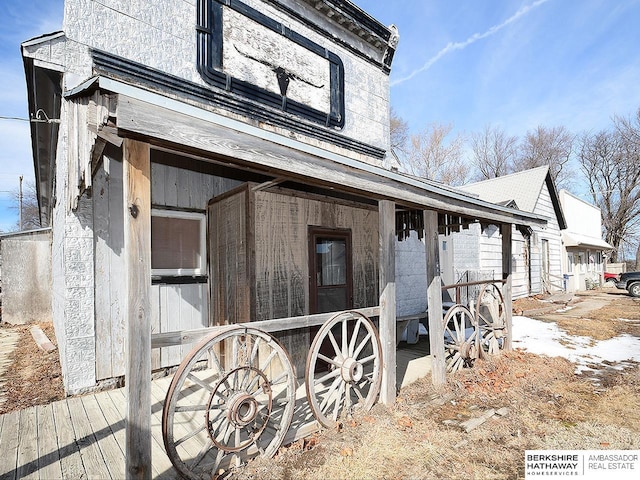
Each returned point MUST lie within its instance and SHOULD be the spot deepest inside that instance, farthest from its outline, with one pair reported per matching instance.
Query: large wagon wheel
(344, 367)
(492, 319)
(233, 395)
(460, 338)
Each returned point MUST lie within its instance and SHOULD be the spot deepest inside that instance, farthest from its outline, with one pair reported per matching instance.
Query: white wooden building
(583, 249)
(536, 252)
(198, 160)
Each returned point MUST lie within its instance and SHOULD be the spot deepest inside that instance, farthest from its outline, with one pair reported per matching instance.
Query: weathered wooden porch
(84, 437)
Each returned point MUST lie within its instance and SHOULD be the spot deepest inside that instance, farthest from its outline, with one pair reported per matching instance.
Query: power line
(14, 118)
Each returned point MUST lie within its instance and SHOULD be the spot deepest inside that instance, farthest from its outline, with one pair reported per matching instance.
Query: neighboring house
(204, 163)
(584, 251)
(536, 252)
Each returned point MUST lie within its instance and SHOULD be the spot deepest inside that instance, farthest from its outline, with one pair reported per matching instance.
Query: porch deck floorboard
(84, 437)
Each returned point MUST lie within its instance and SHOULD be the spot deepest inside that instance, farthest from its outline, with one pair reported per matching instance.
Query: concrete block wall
(411, 276)
(73, 280)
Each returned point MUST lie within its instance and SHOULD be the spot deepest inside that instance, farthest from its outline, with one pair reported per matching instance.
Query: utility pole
(20, 202)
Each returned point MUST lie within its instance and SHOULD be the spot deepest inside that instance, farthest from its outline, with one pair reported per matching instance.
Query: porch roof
(172, 123)
(571, 239)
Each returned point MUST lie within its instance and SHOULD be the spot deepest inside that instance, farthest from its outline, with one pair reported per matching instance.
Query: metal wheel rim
(492, 327)
(353, 379)
(460, 338)
(188, 412)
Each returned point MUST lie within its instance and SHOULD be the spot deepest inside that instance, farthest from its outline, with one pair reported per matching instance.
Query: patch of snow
(565, 309)
(546, 338)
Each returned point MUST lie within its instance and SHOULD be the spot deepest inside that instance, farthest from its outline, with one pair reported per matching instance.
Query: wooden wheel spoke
(202, 453)
(345, 340)
(191, 434)
(196, 408)
(362, 344)
(325, 403)
(267, 361)
(356, 388)
(334, 343)
(331, 374)
(354, 338)
(366, 360)
(255, 350)
(199, 382)
(330, 361)
(338, 404)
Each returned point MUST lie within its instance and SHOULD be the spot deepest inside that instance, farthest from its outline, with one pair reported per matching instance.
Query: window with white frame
(570, 261)
(178, 242)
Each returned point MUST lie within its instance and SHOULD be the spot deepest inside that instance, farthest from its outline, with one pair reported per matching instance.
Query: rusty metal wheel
(232, 398)
(344, 367)
(460, 338)
(492, 319)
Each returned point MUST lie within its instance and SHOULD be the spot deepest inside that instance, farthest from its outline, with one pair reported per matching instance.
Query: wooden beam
(434, 298)
(276, 156)
(169, 339)
(387, 286)
(507, 277)
(137, 264)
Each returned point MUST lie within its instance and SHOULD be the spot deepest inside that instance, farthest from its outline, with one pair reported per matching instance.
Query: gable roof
(523, 188)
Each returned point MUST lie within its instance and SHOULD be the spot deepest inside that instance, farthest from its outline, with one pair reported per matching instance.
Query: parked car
(630, 281)
(610, 277)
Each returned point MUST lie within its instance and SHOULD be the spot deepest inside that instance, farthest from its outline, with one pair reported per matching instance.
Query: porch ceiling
(174, 124)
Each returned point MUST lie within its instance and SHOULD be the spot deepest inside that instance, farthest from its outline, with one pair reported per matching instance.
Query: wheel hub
(243, 409)
(351, 370)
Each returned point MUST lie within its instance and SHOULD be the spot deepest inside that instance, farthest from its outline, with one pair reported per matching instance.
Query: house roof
(521, 188)
(578, 240)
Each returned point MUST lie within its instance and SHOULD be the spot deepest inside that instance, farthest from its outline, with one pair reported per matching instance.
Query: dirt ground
(542, 403)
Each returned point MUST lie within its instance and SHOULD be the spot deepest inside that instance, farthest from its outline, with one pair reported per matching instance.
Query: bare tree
(30, 209)
(610, 161)
(494, 152)
(435, 156)
(547, 146)
(399, 130)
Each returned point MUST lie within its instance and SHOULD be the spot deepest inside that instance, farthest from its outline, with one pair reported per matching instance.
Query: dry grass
(549, 407)
(35, 376)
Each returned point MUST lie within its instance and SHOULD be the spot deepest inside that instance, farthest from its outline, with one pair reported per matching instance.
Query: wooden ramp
(84, 437)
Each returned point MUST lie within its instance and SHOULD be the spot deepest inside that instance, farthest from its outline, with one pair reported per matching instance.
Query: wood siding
(259, 248)
(174, 306)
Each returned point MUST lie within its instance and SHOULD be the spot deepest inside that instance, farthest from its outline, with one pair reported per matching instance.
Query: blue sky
(515, 64)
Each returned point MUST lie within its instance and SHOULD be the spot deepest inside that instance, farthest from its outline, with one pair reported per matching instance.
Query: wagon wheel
(492, 319)
(460, 338)
(344, 367)
(232, 397)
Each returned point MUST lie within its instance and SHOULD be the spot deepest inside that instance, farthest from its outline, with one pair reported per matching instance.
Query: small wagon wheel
(492, 319)
(233, 395)
(344, 367)
(460, 338)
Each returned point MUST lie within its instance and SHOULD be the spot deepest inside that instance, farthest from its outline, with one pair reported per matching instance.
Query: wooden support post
(137, 264)
(434, 298)
(506, 232)
(387, 282)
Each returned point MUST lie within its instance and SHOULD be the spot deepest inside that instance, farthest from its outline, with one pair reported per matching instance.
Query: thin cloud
(453, 46)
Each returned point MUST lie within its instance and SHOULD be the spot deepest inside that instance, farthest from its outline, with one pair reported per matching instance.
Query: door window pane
(331, 262)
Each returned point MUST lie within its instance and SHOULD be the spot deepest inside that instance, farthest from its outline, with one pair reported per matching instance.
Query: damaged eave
(169, 123)
(44, 96)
